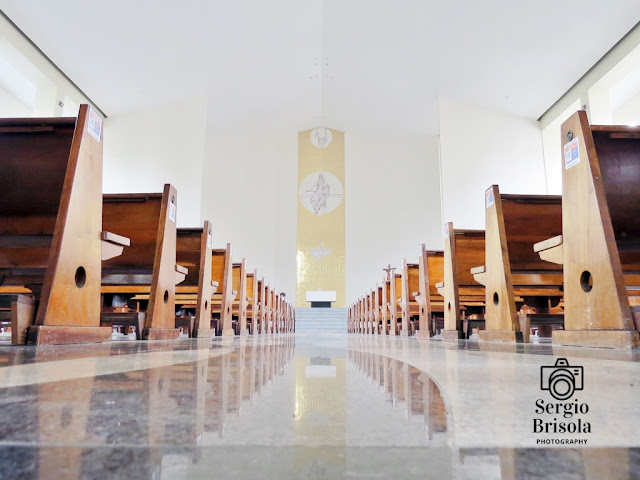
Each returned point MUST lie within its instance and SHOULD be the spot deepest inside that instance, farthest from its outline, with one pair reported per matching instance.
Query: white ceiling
(259, 62)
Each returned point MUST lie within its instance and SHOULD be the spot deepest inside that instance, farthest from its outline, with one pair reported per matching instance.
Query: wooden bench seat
(149, 220)
(389, 301)
(241, 301)
(193, 297)
(51, 238)
(430, 302)
(514, 224)
(215, 303)
(409, 290)
(405, 303)
(252, 302)
(599, 248)
(263, 289)
(222, 272)
(463, 296)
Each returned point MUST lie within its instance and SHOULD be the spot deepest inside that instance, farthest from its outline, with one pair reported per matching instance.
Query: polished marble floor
(318, 406)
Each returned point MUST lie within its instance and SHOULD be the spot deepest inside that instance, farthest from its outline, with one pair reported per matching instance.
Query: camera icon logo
(562, 380)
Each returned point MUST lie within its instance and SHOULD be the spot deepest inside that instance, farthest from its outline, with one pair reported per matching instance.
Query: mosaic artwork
(320, 231)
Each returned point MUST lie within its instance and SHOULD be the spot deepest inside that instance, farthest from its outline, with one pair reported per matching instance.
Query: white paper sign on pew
(571, 154)
(488, 197)
(95, 124)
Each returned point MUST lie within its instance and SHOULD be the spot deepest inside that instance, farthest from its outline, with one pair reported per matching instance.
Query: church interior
(320, 239)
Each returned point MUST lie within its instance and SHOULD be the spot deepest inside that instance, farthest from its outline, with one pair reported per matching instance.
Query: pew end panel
(161, 318)
(501, 317)
(523, 221)
(227, 294)
(600, 210)
(467, 293)
(402, 287)
(423, 298)
(243, 303)
(150, 221)
(254, 294)
(452, 325)
(52, 183)
(202, 325)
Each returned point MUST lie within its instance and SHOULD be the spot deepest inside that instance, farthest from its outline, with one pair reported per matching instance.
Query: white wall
(249, 194)
(11, 107)
(392, 197)
(481, 147)
(628, 113)
(143, 150)
(552, 144)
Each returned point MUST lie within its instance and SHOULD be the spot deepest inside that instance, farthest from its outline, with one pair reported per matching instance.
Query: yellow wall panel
(321, 238)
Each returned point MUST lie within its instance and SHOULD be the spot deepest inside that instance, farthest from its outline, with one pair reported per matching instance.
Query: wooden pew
(377, 309)
(51, 239)
(367, 318)
(383, 295)
(259, 315)
(194, 247)
(253, 299)
(266, 308)
(353, 321)
(513, 273)
(371, 307)
(390, 298)
(270, 308)
(276, 311)
(241, 304)
(206, 285)
(222, 273)
(409, 290)
(283, 314)
(264, 301)
(289, 317)
(193, 297)
(149, 265)
(599, 246)
(354, 317)
(292, 318)
(361, 315)
(429, 300)
(464, 297)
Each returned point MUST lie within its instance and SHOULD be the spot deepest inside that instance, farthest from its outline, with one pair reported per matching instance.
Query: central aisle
(305, 406)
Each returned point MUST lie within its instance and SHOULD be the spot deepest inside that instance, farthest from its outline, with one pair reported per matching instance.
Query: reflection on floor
(308, 406)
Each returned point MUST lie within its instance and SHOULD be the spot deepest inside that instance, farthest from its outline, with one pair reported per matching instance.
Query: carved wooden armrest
(113, 245)
(181, 273)
(550, 250)
(479, 274)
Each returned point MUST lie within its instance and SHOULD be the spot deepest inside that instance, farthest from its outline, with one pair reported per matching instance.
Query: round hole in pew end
(206, 304)
(496, 299)
(586, 281)
(449, 306)
(81, 277)
(166, 296)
